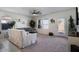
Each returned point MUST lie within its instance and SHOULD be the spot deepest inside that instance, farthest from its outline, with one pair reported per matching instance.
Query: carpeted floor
(49, 44)
(44, 44)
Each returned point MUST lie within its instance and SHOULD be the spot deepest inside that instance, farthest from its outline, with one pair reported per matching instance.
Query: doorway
(61, 25)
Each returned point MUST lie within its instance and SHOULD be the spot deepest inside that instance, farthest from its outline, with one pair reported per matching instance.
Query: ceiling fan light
(34, 14)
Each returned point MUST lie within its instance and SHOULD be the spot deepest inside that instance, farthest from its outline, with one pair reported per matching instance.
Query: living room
(37, 29)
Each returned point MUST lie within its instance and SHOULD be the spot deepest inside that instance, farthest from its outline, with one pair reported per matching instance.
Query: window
(44, 24)
(3, 21)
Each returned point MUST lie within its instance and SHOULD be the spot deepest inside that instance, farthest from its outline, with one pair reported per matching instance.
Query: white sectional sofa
(22, 38)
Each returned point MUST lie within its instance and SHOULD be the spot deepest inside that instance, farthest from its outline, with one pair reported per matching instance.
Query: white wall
(14, 16)
(52, 27)
(77, 28)
(62, 14)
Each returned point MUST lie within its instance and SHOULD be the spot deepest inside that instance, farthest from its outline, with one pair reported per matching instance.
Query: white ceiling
(27, 10)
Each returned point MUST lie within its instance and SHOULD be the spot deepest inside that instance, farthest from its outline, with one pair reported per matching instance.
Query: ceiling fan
(36, 12)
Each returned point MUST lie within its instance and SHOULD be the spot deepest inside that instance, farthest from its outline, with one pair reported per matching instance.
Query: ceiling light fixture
(36, 12)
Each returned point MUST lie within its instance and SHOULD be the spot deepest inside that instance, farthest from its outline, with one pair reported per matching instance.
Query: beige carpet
(49, 44)
(44, 44)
